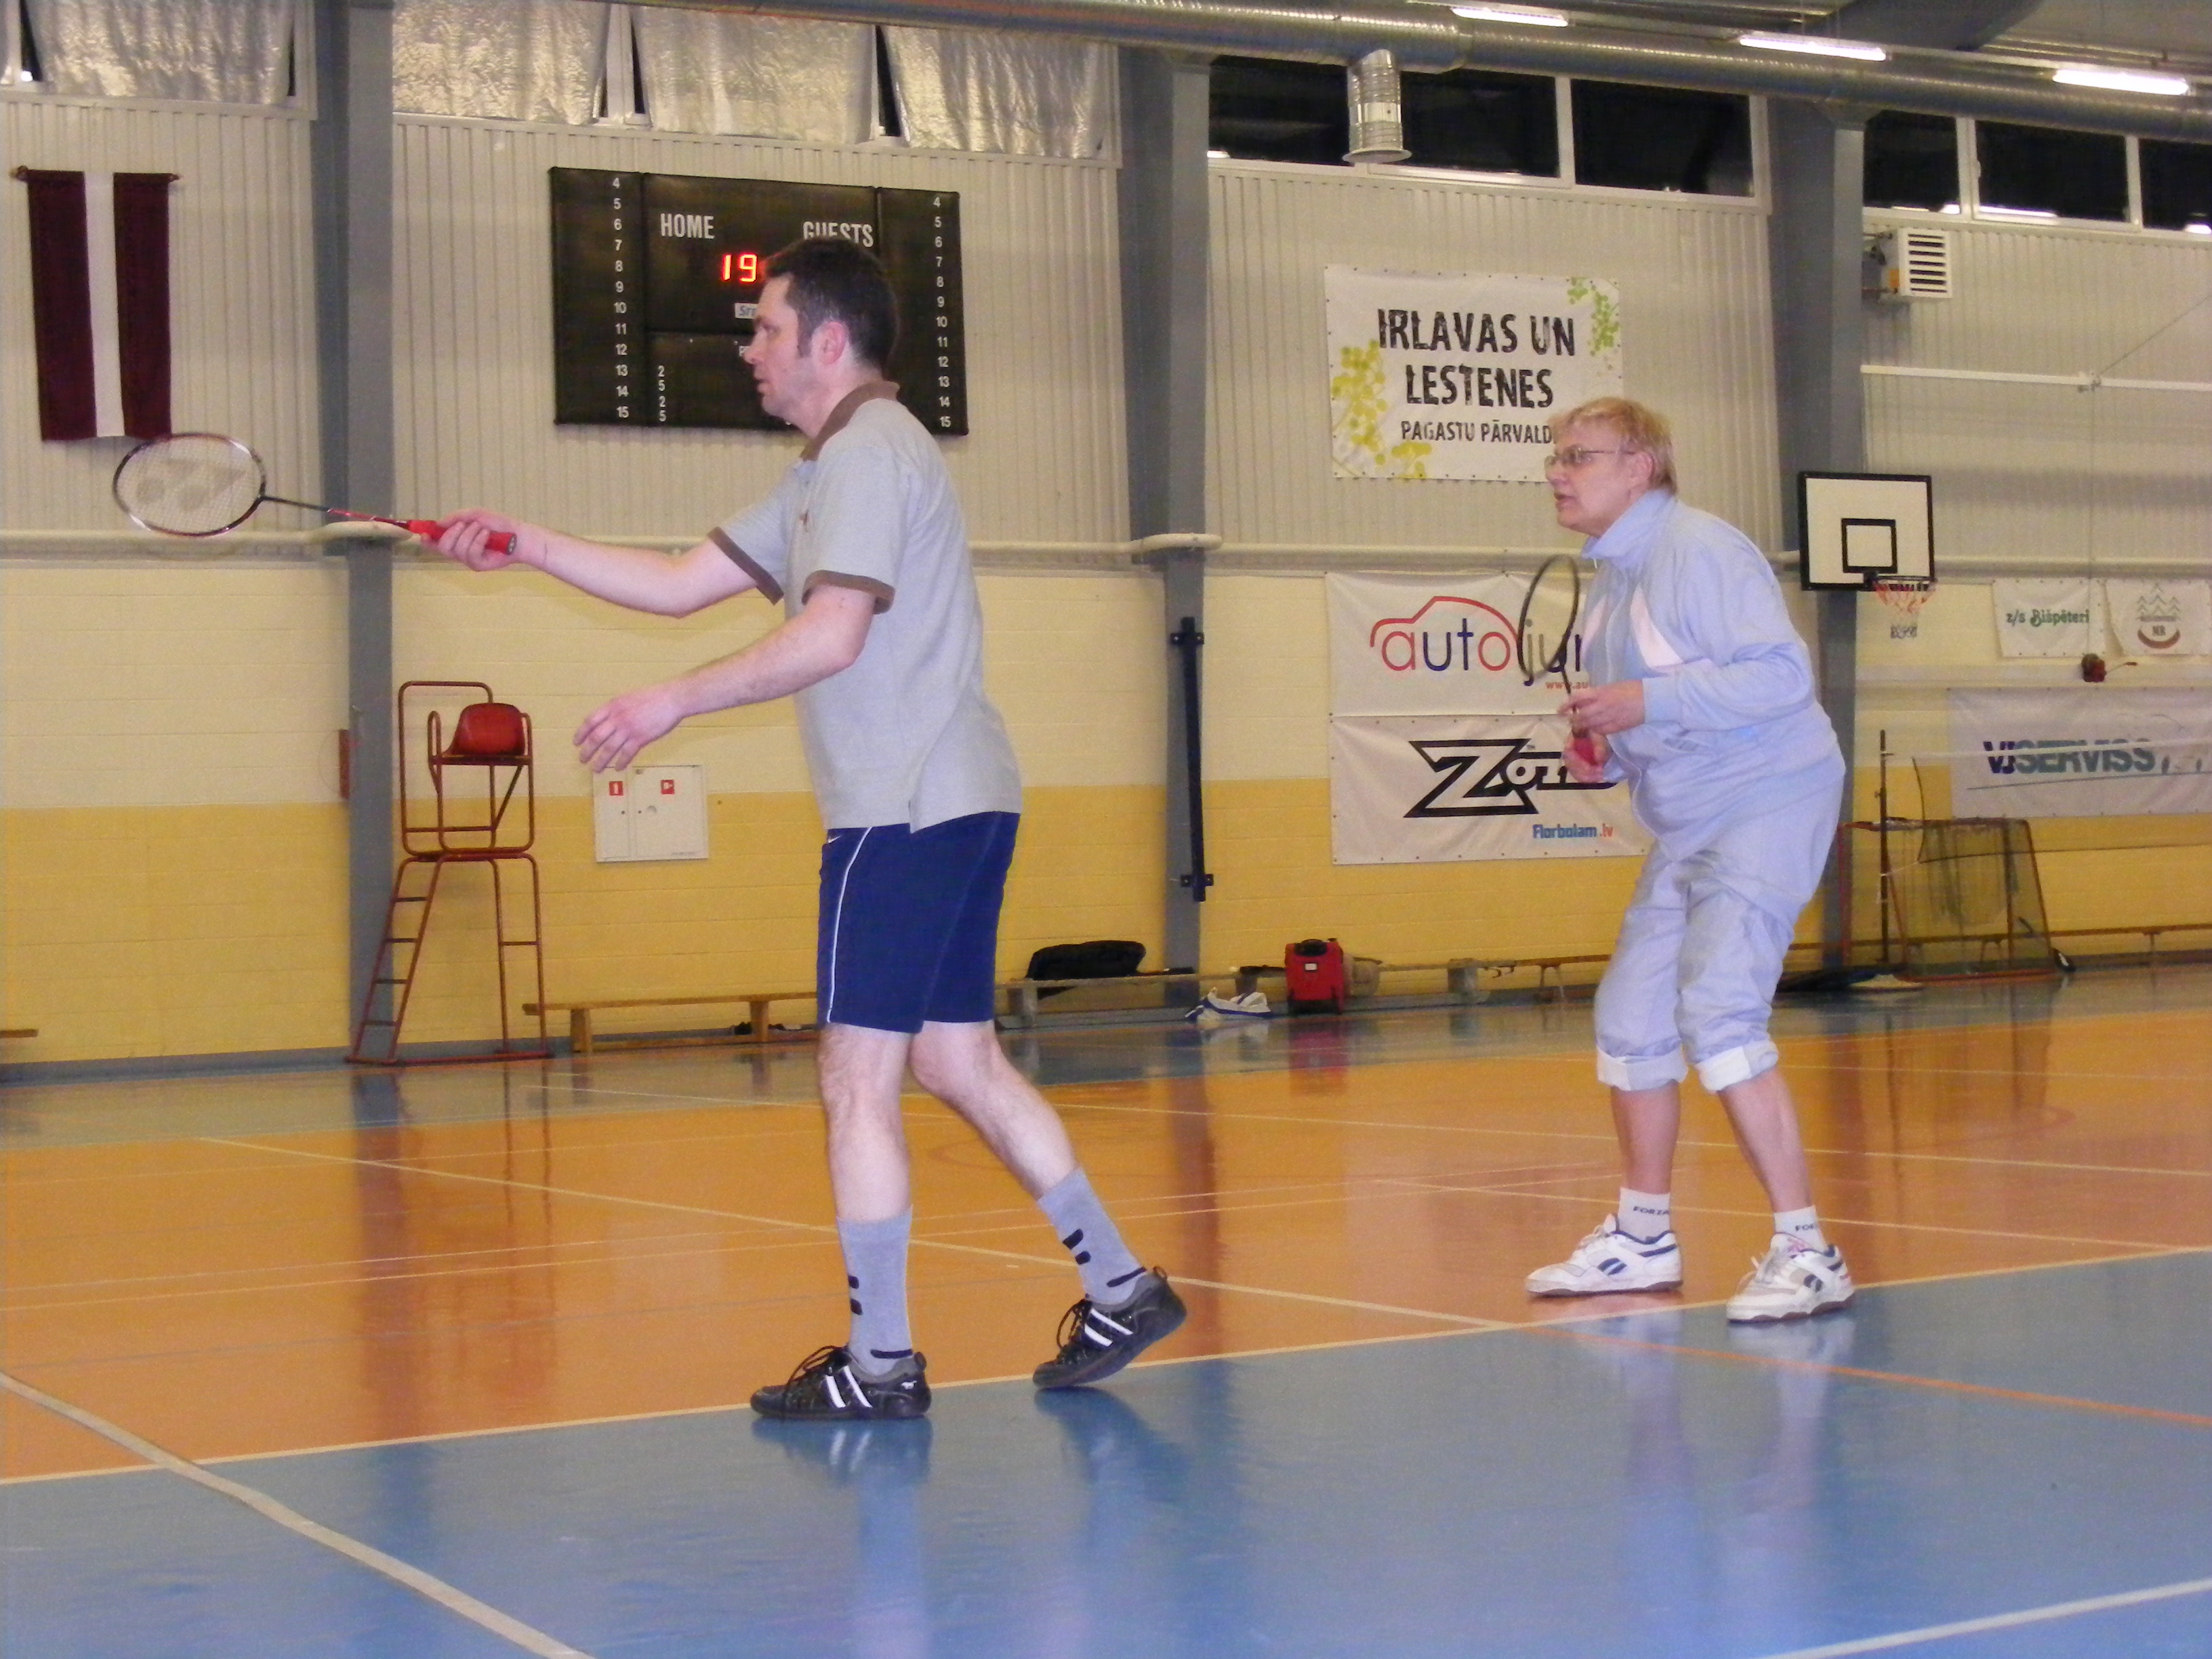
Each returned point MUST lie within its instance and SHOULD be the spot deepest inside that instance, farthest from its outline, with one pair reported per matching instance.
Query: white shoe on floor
(1793, 1280)
(1610, 1260)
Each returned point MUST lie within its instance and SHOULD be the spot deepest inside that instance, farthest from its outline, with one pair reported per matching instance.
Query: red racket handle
(1585, 751)
(498, 542)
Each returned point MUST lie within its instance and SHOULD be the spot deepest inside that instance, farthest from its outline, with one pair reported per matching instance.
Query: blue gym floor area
(2013, 1463)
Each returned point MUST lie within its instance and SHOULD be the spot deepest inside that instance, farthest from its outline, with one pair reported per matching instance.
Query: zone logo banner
(1417, 789)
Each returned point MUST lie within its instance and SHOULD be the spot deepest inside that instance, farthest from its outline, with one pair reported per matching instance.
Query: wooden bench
(582, 1041)
(2149, 934)
(1023, 995)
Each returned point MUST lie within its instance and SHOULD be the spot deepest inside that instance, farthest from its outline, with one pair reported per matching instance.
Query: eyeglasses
(1573, 460)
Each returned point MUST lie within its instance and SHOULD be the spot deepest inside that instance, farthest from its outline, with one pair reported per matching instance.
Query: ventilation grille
(1910, 264)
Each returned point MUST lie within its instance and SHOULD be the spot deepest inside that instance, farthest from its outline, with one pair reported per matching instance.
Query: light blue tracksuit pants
(1702, 947)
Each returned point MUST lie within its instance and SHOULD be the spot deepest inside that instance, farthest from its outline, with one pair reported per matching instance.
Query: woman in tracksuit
(1701, 698)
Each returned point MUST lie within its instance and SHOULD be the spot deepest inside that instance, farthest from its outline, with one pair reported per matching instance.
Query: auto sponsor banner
(2084, 752)
(1459, 376)
(1428, 788)
(1430, 645)
(1437, 750)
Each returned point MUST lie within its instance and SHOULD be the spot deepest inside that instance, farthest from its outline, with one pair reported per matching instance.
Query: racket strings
(189, 485)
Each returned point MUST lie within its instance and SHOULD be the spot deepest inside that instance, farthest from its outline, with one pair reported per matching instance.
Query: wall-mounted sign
(1459, 376)
(1437, 749)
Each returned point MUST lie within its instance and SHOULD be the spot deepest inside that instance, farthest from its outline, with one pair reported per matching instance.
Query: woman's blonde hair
(1639, 428)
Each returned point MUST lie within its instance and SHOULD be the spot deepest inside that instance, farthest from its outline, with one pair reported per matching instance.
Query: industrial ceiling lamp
(1817, 45)
(1536, 15)
(2118, 80)
(1378, 125)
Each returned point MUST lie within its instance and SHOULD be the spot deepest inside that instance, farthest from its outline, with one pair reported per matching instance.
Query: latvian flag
(100, 301)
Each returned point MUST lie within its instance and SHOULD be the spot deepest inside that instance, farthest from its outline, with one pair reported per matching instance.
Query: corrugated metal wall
(242, 298)
(2049, 471)
(474, 325)
(1695, 343)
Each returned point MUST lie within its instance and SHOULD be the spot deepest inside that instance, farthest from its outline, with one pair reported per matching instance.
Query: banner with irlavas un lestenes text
(1437, 749)
(1459, 376)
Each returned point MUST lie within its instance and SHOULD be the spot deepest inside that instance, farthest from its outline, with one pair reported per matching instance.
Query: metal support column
(1816, 240)
(1164, 259)
(353, 179)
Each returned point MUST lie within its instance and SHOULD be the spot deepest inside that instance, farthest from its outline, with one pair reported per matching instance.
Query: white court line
(1907, 1638)
(453, 1600)
(1466, 1321)
(1875, 1152)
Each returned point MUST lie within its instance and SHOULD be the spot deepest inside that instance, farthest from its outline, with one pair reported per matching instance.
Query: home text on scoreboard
(657, 279)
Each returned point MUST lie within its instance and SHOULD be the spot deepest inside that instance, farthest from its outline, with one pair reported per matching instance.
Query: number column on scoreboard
(920, 249)
(598, 291)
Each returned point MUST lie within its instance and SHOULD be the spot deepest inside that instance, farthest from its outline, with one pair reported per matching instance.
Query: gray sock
(875, 1275)
(1110, 1274)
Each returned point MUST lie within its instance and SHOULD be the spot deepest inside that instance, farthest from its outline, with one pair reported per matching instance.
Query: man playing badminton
(864, 544)
(1702, 699)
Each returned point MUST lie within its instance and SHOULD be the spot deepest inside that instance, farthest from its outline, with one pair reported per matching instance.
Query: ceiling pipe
(1428, 37)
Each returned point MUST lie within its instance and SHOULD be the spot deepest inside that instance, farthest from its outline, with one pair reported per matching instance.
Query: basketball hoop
(1903, 598)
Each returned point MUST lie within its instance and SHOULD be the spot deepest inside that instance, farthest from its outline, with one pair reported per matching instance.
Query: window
(1482, 122)
(2074, 175)
(1263, 110)
(1658, 138)
(1912, 161)
(2177, 186)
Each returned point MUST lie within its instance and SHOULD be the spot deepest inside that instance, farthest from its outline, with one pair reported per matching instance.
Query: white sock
(1645, 1215)
(1803, 1225)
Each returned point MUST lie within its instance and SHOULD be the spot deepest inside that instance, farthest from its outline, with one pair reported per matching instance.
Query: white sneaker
(1610, 1260)
(1792, 1281)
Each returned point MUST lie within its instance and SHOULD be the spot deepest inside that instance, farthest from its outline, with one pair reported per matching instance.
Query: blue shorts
(910, 922)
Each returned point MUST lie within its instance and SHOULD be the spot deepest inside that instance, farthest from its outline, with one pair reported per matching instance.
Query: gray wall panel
(1695, 343)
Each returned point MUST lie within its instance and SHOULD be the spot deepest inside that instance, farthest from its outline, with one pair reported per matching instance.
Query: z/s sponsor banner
(2089, 753)
(1459, 376)
(1430, 645)
(1413, 789)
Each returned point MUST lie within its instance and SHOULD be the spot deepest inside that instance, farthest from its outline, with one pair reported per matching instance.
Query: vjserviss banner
(1458, 377)
(1437, 749)
(2084, 752)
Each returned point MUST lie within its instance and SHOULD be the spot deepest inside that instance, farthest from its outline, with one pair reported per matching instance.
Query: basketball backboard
(1865, 527)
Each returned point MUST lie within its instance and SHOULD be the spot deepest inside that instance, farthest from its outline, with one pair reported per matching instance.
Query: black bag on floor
(1097, 958)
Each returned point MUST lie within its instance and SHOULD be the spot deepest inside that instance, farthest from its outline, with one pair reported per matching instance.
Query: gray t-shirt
(904, 735)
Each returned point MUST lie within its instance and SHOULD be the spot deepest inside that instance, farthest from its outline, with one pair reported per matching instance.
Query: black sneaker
(1096, 1342)
(826, 1387)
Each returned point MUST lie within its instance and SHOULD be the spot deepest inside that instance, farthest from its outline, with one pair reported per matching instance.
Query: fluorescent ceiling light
(2199, 228)
(1819, 46)
(2115, 80)
(1536, 14)
(2039, 215)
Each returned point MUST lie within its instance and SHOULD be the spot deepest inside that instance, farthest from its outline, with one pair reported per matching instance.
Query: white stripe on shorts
(827, 1012)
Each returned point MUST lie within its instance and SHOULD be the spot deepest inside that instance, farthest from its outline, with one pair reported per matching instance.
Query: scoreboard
(657, 280)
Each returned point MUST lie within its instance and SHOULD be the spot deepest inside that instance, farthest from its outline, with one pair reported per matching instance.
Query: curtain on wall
(761, 77)
(1008, 94)
(515, 60)
(226, 51)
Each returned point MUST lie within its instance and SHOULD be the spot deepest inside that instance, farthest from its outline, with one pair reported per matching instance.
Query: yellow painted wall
(1268, 842)
(172, 930)
(135, 932)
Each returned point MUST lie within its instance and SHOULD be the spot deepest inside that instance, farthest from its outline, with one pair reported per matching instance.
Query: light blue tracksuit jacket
(1734, 771)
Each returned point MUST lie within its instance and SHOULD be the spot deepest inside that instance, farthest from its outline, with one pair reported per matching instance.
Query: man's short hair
(832, 277)
(1640, 428)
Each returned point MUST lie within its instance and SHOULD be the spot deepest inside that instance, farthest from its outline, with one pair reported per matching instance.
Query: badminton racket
(1545, 633)
(201, 483)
